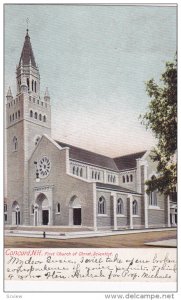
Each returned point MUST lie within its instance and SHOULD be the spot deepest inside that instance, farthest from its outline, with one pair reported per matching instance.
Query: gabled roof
(128, 161)
(27, 52)
(114, 187)
(89, 157)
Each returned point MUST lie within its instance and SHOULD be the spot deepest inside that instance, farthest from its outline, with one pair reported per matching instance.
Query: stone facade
(51, 183)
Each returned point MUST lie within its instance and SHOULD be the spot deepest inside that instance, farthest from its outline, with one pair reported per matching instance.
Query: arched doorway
(75, 212)
(42, 210)
(16, 215)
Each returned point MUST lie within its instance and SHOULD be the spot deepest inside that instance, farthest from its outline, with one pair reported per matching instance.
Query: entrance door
(77, 216)
(45, 217)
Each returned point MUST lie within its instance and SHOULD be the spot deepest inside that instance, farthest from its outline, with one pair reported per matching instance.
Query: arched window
(40, 117)
(35, 115)
(10, 118)
(28, 83)
(44, 118)
(15, 143)
(81, 172)
(127, 178)
(95, 175)
(73, 170)
(120, 207)
(153, 196)
(123, 179)
(31, 113)
(131, 177)
(35, 86)
(135, 207)
(98, 176)
(77, 171)
(32, 209)
(18, 113)
(108, 178)
(32, 85)
(13, 117)
(58, 207)
(101, 206)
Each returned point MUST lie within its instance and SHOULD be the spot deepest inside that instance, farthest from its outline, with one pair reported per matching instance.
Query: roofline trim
(126, 193)
(86, 163)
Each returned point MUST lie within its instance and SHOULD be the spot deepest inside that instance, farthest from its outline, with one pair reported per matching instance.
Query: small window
(58, 207)
(98, 176)
(18, 113)
(41, 103)
(131, 178)
(77, 171)
(32, 85)
(35, 86)
(15, 143)
(120, 208)
(81, 172)
(73, 170)
(44, 118)
(127, 178)
(37, 140)
(135, 207)
(101, 206)
(108, 178)
(92, 174)
(40, 117)
(13, 117)
(35, 115)
(124, 179)
(10, 118)
(5, 207)
(95, 177)
(31, 113)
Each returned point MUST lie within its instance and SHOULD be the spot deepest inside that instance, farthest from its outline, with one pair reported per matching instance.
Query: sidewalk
(172, 243)
(79, 234)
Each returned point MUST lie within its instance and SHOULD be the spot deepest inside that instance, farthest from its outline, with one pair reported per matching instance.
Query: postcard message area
(128, 264)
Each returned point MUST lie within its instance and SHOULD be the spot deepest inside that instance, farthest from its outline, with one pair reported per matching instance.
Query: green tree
(161, 118)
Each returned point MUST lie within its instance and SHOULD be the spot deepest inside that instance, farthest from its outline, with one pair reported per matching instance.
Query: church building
(50, 183)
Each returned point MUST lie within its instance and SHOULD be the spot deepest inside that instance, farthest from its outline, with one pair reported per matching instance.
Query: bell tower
(28, 117)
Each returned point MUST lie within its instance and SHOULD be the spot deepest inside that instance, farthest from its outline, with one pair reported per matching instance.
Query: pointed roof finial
(47, 93)
(27, 22)
(27, 51)
(9, 93)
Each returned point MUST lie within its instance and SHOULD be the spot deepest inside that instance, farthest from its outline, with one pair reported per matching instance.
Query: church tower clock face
(44, 167)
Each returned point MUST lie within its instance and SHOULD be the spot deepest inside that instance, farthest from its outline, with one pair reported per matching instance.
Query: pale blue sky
(94, 60)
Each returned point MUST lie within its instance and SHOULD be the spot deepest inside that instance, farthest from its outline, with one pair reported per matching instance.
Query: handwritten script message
(87, 264)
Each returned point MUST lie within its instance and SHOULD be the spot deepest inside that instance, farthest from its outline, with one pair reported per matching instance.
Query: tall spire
(27, 55)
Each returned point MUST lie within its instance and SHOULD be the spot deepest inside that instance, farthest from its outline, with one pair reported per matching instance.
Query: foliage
(161, 118)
